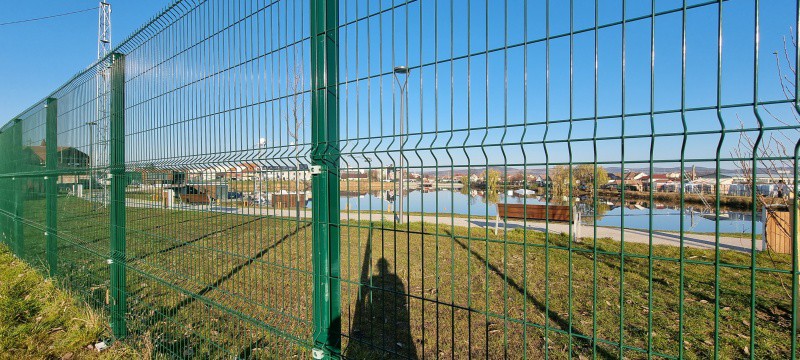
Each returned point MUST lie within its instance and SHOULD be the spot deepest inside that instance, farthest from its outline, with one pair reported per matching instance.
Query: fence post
(18, 184)
(325, 183)
(51, 184)
(119, 305)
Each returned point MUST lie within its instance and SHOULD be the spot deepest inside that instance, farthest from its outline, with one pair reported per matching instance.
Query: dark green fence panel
(7, 187)
(28, 170)
(426, 179)
(218, 226)
(18, 190)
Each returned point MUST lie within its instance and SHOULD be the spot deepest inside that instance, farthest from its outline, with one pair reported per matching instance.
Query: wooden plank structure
(288, 200)
(195, 198)
(778, 228)
(533, 212)
(557, 213)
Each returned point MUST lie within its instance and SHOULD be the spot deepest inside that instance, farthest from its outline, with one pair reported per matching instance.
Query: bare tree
(295, 122)
(773, 153)
(770, 153)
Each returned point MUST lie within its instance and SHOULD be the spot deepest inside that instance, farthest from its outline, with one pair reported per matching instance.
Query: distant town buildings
(693, 183)
(66, 156)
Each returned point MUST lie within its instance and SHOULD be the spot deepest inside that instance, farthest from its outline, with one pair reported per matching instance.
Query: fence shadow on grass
(208, 235)
(159, 314)
(578, 336)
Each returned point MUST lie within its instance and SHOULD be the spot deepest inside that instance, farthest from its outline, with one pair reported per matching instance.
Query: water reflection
(668, 218)
(608, 212)
(473, 203)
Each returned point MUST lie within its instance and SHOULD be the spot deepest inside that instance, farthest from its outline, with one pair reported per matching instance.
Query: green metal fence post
(117, 169)
(18, 188)
(325, 184)
(51, 184)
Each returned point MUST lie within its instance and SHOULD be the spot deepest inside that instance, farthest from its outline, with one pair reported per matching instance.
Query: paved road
(701, 241)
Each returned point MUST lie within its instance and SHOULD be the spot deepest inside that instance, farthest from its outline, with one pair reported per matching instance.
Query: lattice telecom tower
(102, 128)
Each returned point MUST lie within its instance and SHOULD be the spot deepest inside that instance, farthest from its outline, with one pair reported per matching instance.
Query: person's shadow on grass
(381, 324)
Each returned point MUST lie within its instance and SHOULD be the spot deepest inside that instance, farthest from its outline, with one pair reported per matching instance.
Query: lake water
(478, 206)
(441, 201)
(669, 220)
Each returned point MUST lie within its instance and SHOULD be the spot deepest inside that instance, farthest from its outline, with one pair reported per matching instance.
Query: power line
(47, 17)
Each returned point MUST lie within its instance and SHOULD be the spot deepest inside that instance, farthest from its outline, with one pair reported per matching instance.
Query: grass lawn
(40, 321)
(227, 285)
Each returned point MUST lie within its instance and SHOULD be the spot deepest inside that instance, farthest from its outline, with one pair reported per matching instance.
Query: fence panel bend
(336, 179)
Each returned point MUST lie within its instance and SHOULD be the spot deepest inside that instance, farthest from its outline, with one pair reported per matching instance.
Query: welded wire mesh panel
(492, 179)
(80, 212)
(52, 218)
(564, 179)
(217, 204)
(7, 204)
(25, 148)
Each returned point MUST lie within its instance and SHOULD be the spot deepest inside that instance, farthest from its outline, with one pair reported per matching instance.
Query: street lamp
(91, 125)
(262, 143)
(403, 71)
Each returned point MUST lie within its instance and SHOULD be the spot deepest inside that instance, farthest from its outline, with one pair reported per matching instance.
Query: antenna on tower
(101, 126)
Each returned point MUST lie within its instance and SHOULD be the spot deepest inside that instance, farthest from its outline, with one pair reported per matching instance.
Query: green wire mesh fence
(426, 179)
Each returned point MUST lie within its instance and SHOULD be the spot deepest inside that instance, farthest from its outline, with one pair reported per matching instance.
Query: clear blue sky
(486, 90)
(39, 56)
